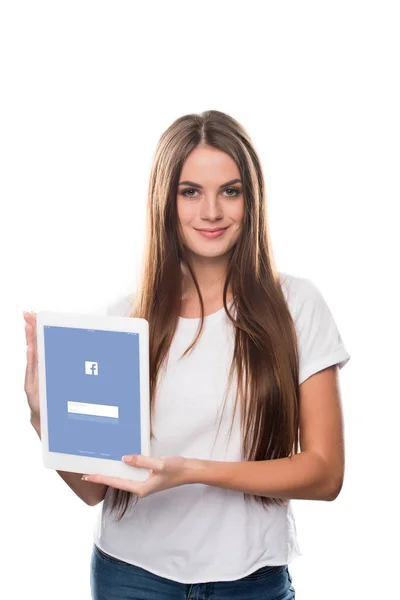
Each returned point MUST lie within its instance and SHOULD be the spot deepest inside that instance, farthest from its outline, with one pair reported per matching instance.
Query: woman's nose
(211, 207)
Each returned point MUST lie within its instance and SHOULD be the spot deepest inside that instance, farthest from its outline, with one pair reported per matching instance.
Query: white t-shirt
(197, 533)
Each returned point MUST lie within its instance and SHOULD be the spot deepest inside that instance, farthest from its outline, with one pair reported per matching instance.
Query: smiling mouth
(213, 234)
(212, 230)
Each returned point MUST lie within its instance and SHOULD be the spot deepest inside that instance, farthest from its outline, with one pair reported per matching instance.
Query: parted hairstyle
(265, 358)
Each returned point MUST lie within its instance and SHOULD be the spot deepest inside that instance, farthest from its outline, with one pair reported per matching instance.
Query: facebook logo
(91, 368)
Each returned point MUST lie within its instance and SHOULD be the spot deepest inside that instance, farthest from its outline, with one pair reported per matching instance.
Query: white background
(87, 88)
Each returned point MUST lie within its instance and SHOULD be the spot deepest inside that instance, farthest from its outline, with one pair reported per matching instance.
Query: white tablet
(94, 392)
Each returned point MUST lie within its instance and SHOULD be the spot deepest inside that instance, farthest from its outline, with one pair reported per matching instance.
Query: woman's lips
(212, 234)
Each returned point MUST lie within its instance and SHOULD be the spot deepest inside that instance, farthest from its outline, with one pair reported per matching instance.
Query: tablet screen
(93, 391)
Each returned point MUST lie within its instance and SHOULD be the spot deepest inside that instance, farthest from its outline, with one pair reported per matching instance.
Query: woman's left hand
(165, 472)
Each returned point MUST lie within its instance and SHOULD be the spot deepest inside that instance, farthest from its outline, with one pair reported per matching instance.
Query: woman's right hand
(31, 375)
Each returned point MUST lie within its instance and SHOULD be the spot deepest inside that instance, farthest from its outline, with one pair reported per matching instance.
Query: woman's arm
(90, 493)
(316, 473)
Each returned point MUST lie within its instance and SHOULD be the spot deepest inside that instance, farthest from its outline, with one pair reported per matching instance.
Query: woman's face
(210, 196)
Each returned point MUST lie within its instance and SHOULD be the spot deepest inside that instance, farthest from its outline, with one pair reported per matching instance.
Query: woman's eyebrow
(196, 185)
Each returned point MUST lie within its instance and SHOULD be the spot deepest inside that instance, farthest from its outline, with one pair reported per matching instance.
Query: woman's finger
(122, 484)
(34, 336)
(29, 350)
(145, 462)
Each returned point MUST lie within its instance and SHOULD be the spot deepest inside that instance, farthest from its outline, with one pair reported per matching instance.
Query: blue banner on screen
(93, 392)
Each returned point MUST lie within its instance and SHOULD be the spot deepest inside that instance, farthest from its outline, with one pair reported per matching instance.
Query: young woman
(245, 398)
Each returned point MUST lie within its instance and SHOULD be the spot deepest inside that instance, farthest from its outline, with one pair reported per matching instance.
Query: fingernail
(84, 477)
(127, 458)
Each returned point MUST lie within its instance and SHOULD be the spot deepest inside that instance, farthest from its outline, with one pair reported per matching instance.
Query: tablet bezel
(86, 464)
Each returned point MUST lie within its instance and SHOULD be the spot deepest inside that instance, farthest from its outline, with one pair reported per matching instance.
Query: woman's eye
(184, 193)
(235, 191)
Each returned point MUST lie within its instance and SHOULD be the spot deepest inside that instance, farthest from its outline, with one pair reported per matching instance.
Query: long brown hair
(265, 358)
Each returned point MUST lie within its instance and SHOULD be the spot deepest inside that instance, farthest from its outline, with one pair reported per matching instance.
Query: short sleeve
(320, 344)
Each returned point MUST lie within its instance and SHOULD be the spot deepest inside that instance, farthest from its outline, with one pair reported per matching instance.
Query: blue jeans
(113, 579)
